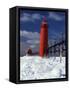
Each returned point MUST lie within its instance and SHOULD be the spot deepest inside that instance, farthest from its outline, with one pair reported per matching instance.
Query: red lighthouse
(43, 39)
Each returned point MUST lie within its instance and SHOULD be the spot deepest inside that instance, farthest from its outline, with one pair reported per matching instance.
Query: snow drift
(36, 67)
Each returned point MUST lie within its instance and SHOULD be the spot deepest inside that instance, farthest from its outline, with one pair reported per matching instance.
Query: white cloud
(33, 41)
(54, 16)
(37, 16)
(26, 17)
(30, 17)
(29, 35)
(32, 46)
(26, 14)
(23, 33)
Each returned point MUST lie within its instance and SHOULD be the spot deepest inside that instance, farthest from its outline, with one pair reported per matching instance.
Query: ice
(36, 67)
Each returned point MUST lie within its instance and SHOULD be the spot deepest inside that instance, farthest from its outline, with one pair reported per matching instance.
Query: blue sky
(30, 23)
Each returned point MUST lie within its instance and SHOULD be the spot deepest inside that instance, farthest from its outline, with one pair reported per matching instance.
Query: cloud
(26, 17)
(55, 16)
(29, 35)
(30, 17)
(32, 46)
(34, 41)
(37, 16)
(30, 40)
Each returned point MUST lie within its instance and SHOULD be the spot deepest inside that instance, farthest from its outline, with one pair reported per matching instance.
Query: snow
(36, 67)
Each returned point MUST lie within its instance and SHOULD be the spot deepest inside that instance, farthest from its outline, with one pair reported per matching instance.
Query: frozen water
(36, 67)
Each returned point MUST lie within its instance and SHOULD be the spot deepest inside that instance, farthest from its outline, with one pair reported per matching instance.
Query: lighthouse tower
(43, 38)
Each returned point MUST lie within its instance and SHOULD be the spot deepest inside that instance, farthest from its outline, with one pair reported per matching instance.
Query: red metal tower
(43, 38)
